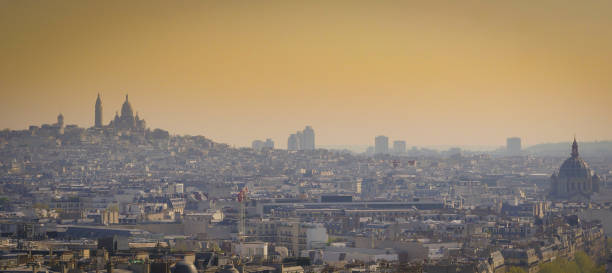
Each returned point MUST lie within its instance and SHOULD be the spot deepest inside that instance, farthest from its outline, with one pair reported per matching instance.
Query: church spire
(575, 148)
(98, 113)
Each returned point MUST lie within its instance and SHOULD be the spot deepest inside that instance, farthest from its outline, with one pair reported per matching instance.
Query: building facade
(513, 145)
(399, 147)
(126, 122)
(308, 137)
(381, 145)
(302, 140)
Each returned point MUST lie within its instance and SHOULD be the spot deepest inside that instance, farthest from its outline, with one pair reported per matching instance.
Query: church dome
(126, 109)
(184, 267)
(574, 167)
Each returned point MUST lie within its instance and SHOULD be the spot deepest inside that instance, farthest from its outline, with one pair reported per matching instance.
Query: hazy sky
(430, 72)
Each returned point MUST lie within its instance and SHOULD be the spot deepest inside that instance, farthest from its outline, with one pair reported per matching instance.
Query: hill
(591, 149)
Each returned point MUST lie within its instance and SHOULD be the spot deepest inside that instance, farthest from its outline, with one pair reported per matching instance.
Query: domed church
(574, 181)
(127, 121)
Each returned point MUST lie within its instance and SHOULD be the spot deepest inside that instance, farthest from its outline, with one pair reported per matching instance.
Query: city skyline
(449, 74)
(305, 136)
(99, 121)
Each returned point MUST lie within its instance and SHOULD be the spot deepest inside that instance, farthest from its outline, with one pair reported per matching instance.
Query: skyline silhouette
(430, 74)
(127, 118)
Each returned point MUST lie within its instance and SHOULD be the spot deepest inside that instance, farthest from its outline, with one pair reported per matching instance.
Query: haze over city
(305, 136)
(440, 73)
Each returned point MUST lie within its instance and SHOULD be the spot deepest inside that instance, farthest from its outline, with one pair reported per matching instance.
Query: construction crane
(242, 197)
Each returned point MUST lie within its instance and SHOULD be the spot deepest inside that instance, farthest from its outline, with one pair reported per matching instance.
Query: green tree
(559, 265)
(216, 248)
(40, 206)
(515, 269)
(584, 262)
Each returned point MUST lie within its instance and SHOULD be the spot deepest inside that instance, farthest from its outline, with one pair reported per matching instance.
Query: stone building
(574, 181)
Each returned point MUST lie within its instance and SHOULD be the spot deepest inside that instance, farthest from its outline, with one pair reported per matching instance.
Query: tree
(515, 269)
(560, 265)
(584, 262)
(40, 206)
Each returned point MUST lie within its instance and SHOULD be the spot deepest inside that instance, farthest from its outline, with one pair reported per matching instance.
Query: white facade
(252, 249)
(333, 255)
(316, 236)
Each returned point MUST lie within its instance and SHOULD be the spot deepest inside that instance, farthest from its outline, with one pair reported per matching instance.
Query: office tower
(293, 143)
(302, 140)
(381, 145)
(98, 113)
(399, 147)
(269, 143)
(513, 146)
(308, 139)
(259, 145)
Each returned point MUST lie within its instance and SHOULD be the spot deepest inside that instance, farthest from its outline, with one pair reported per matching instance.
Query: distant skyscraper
(293, 143)
(513, 145)
(269, 143)
(381, 145)
(399, 147)
(259, 145)
(302, 140)
(308, 139)
(98, 119)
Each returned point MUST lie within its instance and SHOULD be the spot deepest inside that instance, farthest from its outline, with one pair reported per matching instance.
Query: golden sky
(428, 72)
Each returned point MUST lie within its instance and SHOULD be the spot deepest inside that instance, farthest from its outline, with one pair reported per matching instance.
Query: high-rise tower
(381, 145)
(308, 137)
(513, 146)
(293, 143)
(98, 120)
(301, 140)
(399, 147)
